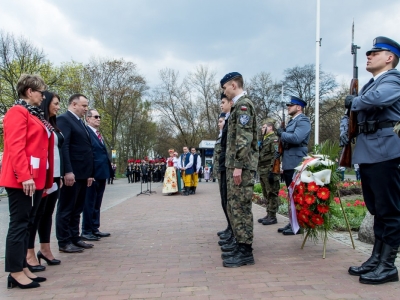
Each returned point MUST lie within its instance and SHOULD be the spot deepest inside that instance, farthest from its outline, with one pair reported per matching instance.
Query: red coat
(25, 136)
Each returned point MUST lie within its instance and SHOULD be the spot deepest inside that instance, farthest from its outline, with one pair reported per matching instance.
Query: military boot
(226, 235)
(386, 271)
(230, 246)
(269, 221)
(225, 255)
(223, 231)
(243, 256)
(262, 219)
(371, 263)
(224, 242)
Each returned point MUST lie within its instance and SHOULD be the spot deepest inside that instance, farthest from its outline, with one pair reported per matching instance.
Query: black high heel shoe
(51, 262)
(11, 283)
(38, 268)
(38, 279)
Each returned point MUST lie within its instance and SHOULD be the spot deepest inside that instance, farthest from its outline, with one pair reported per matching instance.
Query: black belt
(379, 125)
(386, 124)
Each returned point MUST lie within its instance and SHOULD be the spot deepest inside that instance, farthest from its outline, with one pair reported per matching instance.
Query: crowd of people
(49, 161)
(376, 160)
(48, 158)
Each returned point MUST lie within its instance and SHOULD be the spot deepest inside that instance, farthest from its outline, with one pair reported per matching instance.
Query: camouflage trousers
(239, 205)
(270, 192)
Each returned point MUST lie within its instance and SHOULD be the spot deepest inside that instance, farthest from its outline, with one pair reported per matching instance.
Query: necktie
(99, 136)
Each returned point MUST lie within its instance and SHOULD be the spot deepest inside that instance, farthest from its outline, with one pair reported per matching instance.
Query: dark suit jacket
(102, 164)
(77, 147)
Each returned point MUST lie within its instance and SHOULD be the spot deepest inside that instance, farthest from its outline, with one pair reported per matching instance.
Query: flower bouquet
(312, 194)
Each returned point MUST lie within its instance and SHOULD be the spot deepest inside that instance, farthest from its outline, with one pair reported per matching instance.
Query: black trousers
(69, 209)
(44, 218)
(288, 176)
(224, 196)
(22, 215)
(381, 191)
(91, 209)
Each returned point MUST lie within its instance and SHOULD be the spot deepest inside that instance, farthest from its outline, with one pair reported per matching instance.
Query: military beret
(296, 101)
(222, 115)
(382, 43)
(229, 77)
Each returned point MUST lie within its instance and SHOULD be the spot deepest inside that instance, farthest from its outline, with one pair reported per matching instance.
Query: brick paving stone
(165, 247)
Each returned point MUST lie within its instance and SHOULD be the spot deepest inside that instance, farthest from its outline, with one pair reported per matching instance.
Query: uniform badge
(244, 119)
(244, 108)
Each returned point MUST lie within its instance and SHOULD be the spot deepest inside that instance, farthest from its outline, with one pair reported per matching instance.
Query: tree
(300, 82)
(266, 96)
(19, 56)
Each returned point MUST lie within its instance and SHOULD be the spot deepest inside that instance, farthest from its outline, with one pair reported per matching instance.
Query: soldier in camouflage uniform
(269, 181)
(217, 151)
(241, 164)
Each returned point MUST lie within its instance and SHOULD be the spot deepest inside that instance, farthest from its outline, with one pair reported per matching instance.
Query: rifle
(345, 158)
(276, 169)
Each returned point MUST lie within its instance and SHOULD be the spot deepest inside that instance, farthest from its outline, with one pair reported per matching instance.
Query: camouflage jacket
(241, 146)
(267, 150)
(217, 152)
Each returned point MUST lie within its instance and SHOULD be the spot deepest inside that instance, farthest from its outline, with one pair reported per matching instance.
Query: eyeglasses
(96, 117)
(41, 92)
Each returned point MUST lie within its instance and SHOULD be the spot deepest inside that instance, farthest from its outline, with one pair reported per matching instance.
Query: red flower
(282, 193)
(306, 211)
(363, 203)
(317, 219)
(309, 199)
(298, 199)
(348, 204)
(346, 184)
(322, 208)
(337, 200)
(301, 216)
(323, 193)
(300, 188)
(312, 187)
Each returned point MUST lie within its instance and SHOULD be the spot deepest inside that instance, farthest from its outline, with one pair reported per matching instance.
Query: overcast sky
(245, 36)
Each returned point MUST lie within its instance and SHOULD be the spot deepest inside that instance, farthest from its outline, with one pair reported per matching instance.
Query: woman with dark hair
(44, 215)
(27, 170)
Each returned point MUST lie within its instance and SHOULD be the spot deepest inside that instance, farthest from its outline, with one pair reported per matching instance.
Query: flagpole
(317, 46)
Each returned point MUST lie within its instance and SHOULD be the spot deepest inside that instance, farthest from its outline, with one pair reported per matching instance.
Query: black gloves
(279, 131)
(271, 178)
(348, 101)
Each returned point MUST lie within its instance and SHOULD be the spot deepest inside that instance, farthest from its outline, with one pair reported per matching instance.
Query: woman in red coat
(27, 169)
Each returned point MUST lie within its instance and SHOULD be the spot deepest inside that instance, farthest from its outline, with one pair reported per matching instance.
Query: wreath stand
(326, 233)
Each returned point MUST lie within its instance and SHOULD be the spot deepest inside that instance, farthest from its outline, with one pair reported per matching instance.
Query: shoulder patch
(244, 119)
(244, 108)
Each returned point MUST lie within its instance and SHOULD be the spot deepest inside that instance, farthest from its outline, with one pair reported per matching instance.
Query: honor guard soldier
(294, 141)
(269, 181)
(241, 165)
(378, 156)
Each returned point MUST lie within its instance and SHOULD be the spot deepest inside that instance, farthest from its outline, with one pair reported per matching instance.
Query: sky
(245, 36)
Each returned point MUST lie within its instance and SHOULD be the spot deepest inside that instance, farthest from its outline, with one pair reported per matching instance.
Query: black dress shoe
(38, 268)
(51, 262)
(82, 244)
(284, 228)
(38, 279)
(288, 232)
(12, 282)
(101, 234)
(70, 248)
(90, 237)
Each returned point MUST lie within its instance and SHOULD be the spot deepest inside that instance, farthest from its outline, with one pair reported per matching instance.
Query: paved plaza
(165, 247)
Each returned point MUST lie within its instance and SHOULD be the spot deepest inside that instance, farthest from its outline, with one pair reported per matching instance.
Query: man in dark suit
(102, 171)
(78, 167)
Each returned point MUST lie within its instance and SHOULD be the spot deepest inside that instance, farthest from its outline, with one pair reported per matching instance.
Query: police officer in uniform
(294, 140)
(377, 153)
(241, 164)
(269, 181)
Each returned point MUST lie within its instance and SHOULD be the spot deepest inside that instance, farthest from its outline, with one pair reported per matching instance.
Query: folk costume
(170, 179)
(186, 163)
